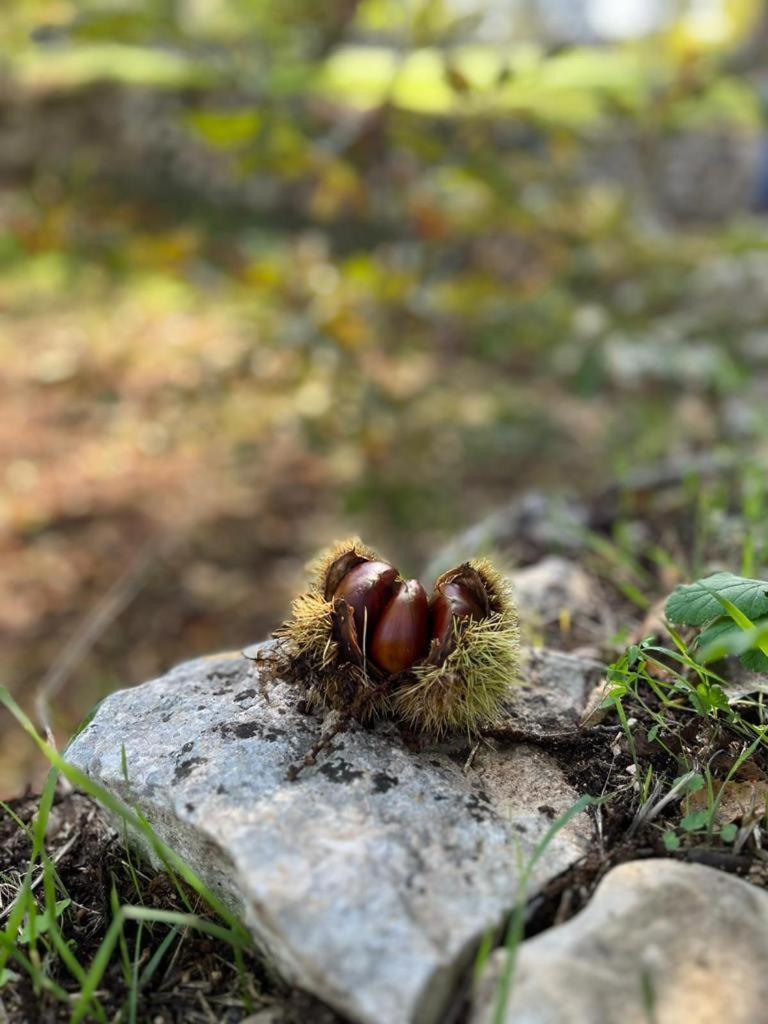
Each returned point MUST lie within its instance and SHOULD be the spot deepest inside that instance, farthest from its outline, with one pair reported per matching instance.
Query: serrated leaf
(695, 783)
(714, 696)
(696, 604)
(691, 782)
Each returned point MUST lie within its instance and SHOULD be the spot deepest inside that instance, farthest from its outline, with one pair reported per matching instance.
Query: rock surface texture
(371, 878)
(558, 592)
(552, 693)
(660, 941)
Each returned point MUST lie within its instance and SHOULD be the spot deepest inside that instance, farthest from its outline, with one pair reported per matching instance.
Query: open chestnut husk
(365, 641)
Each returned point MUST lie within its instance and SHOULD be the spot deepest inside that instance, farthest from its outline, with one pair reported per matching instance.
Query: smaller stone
(522, 531)
(660, 941)
(556, 595)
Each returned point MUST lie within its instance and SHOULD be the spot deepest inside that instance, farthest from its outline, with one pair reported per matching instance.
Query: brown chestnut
(367, 588)
(451, 601)
(400, 638)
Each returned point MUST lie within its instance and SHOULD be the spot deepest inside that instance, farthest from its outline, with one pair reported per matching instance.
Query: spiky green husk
(312, 652)
(466, 692)
(309, 631)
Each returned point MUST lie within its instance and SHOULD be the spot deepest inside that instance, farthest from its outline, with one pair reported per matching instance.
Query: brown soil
(196, 983)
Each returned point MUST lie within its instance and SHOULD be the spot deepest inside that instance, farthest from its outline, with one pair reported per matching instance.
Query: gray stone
(368, 881)
(556, 596)
(660, 941)
(554, 585)
(553, 692)
(521, 532)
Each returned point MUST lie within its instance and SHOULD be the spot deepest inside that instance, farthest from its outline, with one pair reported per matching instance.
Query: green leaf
(728, 833)
(723, 629)
(697, 603)
(694, 783)
(7, 976)
(713, 696)
(697, 820)
(739, 617)
(755, 660)
(724, 636)
(671, 841)
(42, 923)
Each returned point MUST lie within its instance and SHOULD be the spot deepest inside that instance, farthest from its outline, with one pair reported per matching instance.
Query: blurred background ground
(271, 273)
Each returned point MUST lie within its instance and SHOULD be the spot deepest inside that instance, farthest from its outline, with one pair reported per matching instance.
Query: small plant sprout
(699, 742)
(365, 641)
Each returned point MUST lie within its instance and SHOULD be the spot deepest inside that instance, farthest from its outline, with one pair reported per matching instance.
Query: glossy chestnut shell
(367, 588)
(451, 602)
(401, 636)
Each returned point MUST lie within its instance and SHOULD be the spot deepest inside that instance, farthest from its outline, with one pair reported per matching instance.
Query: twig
(323, 744)
(652, 808)
(471, 758)
(512, 733)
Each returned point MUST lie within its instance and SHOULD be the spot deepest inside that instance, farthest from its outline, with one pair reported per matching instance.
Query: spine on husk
(366, 641)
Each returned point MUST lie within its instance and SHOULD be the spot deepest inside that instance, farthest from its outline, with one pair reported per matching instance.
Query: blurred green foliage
(274, 271)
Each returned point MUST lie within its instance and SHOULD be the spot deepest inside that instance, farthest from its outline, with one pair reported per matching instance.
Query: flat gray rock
(370, 880)
(660, 941)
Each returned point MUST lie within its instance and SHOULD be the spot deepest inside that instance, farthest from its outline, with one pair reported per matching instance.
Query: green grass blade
(168, 857)
(157, 957)
(97, 969)
(517, 921)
